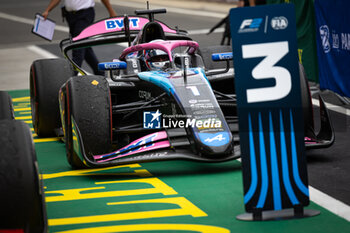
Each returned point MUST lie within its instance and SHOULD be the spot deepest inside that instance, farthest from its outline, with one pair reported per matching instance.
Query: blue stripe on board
(274, 169)
(296, 175)
(263, 164)
(37, 25)
(254, 174)
(285, 169)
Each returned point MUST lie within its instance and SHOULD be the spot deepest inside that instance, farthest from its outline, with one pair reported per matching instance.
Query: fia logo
(279, 23)
(152, 120)
(324, 33)
(250, 25)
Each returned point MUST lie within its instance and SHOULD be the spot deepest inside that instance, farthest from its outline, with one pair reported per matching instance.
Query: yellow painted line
(38, 140)
(21, 109)
(25, 113)
(22, 105)
(21, 99)
(23, 118)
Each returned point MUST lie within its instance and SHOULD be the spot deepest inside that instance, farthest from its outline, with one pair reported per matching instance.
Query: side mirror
(116, 65)
(222, 56)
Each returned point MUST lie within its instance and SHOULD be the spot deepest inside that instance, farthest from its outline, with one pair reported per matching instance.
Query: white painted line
(42, 52)
(171, 9)
(204, 31)
(28, 21)
(337, 207)
(196, 12)
(124, 44)
(333, 107)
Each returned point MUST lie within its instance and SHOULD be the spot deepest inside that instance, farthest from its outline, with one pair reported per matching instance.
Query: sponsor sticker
(250, 25)
(119, 23)
(324, 33)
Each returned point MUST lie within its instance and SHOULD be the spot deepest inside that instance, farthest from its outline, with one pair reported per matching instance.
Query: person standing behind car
(243, 3)
(80, 14)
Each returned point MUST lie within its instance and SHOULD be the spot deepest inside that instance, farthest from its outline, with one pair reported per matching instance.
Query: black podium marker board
(270, 112)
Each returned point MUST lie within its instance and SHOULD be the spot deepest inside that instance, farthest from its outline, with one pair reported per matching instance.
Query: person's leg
(76, 25)
(87, 18)
(92, 60)
(78, 56)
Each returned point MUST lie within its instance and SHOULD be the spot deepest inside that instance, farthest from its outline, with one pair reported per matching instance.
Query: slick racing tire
(306, 102)
(88, 109)
(6, 108)
(207, 52)
(21, 194)
(46, 78)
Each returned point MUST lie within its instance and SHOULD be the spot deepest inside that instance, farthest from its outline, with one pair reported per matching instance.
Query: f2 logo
(252, 23)
(266, 69)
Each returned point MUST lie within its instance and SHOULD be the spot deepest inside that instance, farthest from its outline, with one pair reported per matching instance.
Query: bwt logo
(119, 23)
(152, 120)
(250, 25)
(279, 23)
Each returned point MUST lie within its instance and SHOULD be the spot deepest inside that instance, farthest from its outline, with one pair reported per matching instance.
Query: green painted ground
(172, 196)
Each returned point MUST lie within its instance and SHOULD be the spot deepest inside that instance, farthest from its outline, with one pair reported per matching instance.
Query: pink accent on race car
(308, 140)
(140, 144)
(116, 25)
(166, 46)
(154, 146)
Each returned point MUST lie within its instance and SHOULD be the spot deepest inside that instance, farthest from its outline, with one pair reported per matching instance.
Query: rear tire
(46, 78)
(21, 194)
(6, 107)
(87, 101)
(306, 103)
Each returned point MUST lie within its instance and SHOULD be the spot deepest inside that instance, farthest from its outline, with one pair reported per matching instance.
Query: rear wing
(110, 25)
(111, 31)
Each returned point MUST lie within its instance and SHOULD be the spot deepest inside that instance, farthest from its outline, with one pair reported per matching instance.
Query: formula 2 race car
(162, 98)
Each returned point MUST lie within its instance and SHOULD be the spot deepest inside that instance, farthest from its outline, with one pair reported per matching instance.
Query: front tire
(88, 104)
(46, 78)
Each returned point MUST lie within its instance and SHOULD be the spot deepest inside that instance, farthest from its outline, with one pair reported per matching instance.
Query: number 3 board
(269, 105)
